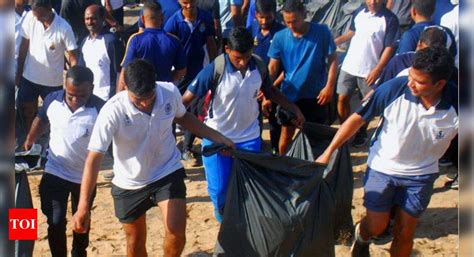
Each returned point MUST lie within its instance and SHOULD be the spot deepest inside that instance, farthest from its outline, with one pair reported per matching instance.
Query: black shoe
(359, 249)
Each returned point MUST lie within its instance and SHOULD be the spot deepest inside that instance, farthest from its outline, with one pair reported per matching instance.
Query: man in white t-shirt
(46, 37)
(102, 52)
(147, 166)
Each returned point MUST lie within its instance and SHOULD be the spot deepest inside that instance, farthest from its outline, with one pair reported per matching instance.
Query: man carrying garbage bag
(419, 119)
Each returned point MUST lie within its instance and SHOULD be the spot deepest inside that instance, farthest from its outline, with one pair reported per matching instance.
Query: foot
(359, 248)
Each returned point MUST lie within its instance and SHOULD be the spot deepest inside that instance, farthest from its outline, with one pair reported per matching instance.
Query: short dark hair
(41, 3)
(294, 6)
(435, 61)
(265, 6)
(153, 6)
(434, 36)
(80, 74)
(424, 7)
(240, 40)
(140, 77)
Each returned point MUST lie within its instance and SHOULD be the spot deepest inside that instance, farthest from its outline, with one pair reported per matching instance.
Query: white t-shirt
(44, 62)
(18, 21)
(144, 147)
(451, 21)
(96, 58)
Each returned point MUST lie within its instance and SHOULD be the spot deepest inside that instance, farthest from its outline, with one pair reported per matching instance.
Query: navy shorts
(132, 204)
(30, 91)
(411, 193)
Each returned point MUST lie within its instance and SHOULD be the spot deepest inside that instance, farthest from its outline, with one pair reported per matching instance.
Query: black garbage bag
(309, 143)
(277, 206)
(24, 162)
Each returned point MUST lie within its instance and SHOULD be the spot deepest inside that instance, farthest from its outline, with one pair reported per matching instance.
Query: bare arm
(346, 131)
(178, 74)
(344, 38)
(24, 45)
(245, 7)
(377, 70)
(187, 98)
(211, 48)
(72, 57)
(195, 126)
(276, 96)
(120, 81)
(81, 219)
(274, 69)
(38, 128)
(325, 95)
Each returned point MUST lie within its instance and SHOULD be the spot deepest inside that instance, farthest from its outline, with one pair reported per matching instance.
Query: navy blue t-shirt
(262, 43)
(193, 40)
(161, 49)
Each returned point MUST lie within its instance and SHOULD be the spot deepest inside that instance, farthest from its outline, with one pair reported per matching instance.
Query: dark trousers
(54, 194)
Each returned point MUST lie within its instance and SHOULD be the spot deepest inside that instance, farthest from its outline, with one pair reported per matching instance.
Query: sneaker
(360, 141)
(455, 183)
(445, 162)
(108, 176)
(191, 159)
(451, 177)
(359, 249)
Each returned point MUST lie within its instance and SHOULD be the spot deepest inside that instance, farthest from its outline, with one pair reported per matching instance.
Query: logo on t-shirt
(128, 121)
(440, 135)
(168, 109)
(86, 133)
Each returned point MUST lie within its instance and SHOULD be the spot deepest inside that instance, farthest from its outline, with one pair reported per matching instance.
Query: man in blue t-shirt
(163, 50)
(421, 13)
(301, 52)
(404, 153)
(195, 29)
(263, 29)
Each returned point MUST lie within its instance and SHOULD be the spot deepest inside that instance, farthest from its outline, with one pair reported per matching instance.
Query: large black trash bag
(311, 142)
(277, 207)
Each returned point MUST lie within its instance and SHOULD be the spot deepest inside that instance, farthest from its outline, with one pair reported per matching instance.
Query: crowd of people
(199, 65)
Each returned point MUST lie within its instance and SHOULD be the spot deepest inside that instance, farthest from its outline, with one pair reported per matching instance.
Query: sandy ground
(436, 235)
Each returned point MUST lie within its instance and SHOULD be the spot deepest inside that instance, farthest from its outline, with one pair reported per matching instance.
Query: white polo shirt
(235, 108)
(44, 62)
(69, 136)
(144, 147)
(410, 138)
(373, 32)
(96, 58)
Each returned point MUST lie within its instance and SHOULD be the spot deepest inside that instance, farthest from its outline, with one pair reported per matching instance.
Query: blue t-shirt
(441, 8)
(262, 43)
(161, 49)
(409, 39)
(303, 60)
(193, 40)
(168, 8)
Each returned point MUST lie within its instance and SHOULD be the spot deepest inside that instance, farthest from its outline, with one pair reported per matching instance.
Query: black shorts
(132, 204)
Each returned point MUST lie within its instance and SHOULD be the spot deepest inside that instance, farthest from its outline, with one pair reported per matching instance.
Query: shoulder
(166, 87)
(95, 102)
(389, 15)
(359, 10)
(56, 96)
(173, 38)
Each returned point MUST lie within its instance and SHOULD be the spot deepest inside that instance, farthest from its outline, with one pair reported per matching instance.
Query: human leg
(135, 234)
(174, 220)
(80, 241)
(54, 197)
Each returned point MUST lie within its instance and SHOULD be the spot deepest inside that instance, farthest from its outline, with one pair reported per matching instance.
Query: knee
(403, 233)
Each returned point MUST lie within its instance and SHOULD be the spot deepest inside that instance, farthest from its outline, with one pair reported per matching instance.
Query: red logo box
(22, 224)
